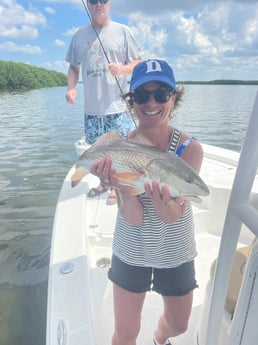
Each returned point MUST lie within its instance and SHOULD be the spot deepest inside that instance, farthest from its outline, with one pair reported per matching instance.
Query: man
(106, 53)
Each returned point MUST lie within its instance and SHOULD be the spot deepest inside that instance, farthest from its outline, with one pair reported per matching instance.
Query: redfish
(137, 163)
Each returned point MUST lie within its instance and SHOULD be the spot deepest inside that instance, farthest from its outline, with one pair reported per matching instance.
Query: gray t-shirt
(102, 95)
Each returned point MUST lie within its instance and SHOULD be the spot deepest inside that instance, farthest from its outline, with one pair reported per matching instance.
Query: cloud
(57, 65)
(19, 23)
(149, 34)
(202, 39)
(22, 32)
(13, 14)
(156, 8)
(50, 10)
(71, 31)
(14, 48)
(211, 40)
(59, 43)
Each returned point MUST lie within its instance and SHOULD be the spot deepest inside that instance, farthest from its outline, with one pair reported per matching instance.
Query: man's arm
(73, 77)
(117, 69)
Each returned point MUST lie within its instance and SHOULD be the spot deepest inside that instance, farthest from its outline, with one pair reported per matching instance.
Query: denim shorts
(176, 281)
(97, 125)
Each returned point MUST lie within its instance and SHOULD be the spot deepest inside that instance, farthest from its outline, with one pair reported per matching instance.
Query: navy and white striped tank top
(155, 243)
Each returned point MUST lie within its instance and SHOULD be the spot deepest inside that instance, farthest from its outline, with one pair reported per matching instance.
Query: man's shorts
(176, 281)
(97, 125)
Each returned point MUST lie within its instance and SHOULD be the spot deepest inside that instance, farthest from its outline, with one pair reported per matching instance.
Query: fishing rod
(105, 54)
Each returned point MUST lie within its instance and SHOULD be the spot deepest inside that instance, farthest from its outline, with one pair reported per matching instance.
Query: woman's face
(148, 106)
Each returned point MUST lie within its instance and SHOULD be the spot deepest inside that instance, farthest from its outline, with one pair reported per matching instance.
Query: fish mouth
(152, 113)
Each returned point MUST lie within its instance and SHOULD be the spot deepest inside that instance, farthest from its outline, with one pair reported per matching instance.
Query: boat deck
(100, 234)
(207, 246)
(79, 301)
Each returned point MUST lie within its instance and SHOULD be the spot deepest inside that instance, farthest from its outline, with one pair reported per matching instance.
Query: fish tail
(78, 176)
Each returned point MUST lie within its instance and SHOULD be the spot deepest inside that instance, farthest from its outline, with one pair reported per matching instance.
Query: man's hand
(70, 96)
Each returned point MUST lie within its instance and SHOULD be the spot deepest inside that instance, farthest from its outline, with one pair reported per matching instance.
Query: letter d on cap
(153, 66)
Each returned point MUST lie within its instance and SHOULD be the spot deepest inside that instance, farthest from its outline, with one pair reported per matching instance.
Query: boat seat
(235, 278)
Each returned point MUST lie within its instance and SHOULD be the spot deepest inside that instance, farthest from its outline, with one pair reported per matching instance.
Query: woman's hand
(103, 170)
(130, 207)
(169, 209)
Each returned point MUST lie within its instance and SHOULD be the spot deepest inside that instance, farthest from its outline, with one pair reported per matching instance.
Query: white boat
(225, 306)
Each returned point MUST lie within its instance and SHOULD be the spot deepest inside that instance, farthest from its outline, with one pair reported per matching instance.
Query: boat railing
(242, 209)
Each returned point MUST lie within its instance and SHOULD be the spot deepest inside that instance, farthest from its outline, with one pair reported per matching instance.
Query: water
(217, 114)
(37, 134)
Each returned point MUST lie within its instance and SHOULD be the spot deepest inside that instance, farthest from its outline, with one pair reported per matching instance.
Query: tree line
(18, 76)
(222, 82)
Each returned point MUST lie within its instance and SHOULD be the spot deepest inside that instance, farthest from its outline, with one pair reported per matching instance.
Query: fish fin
(78, 175)
(136, 191)
(130, 179)
(112, 135)
(128, 175)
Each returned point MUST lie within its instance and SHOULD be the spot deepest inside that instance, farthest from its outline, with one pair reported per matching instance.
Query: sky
(201, 39)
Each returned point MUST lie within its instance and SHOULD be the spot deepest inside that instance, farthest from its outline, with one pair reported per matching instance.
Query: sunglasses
(160, 95)
(94, 2)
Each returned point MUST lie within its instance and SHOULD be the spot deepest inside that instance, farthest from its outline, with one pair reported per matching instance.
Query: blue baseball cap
(152, 70)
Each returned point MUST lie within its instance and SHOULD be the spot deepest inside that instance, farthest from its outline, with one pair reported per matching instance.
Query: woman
(154, 246)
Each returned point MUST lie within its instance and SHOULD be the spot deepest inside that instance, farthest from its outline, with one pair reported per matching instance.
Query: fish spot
(189, 180)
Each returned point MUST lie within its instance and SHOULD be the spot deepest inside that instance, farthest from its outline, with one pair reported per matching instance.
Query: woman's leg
(127, 312)
(174, 321)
